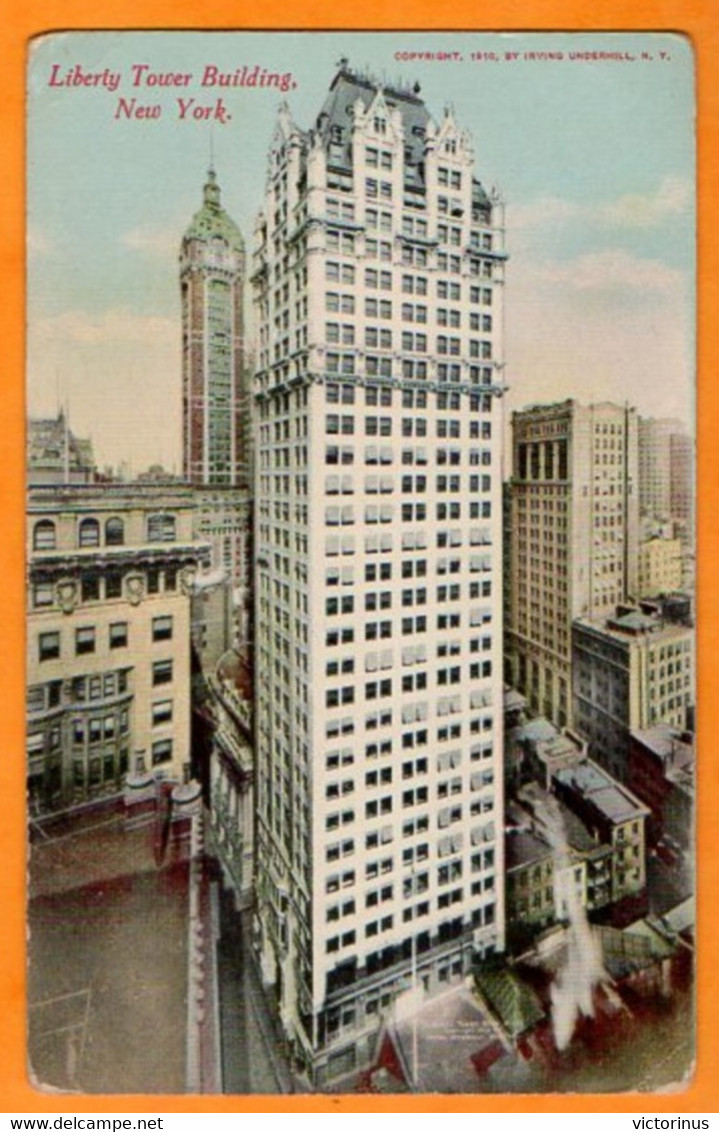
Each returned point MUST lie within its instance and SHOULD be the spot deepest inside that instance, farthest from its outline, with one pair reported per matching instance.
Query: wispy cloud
(634, 210)
(672, 198)
(612, 270)
(601, 325)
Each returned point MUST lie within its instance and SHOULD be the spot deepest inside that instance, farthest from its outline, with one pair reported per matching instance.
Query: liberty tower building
(377, 275)
(216, 432)
(214, 409)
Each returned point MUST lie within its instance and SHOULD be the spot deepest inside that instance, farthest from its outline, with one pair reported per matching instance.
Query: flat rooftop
(589, 781)
(522, 848)
(107, 959)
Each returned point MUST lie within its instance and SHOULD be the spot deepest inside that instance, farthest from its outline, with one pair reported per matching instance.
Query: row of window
(104, 586)
(409, 426)
(86, 637)
(159, 528)
(409, 512)
(345, 333)
(382, 280)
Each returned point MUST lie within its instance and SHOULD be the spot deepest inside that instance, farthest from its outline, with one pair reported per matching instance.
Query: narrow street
(252, 1058)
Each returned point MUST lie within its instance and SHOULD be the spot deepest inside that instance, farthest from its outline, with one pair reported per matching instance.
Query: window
(161, 752)
(42, 595)
(161, 712)
(162, 672)
(118, 635)
(161, 528)
(113, 584)
(90, 586)
(89, 533)
(49, 646)
(114, 532)
(84, 640)
(44, 537)
(162, 628)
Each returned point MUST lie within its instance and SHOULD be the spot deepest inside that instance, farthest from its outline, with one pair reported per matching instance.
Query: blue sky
(595, 160)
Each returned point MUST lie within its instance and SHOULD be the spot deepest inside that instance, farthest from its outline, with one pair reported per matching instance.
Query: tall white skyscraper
(378, 272)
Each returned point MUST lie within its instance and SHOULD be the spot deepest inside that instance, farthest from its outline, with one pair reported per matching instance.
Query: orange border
(25, 18)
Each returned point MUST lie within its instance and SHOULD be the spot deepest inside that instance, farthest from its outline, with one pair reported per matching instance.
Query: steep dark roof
(334, 121)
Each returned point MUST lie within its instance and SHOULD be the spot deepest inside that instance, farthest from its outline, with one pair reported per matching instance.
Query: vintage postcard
(360, 613)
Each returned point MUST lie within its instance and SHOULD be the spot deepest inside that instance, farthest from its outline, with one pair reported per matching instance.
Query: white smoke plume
(572, 991)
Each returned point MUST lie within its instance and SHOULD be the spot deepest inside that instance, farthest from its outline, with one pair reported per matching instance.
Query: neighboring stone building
(378, 273)
(572, 538)
(108, 667)
(660, 566)
(55, 454)
(631, 671)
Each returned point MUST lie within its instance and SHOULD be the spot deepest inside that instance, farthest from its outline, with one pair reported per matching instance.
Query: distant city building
(108, 668)
(631, 671)
(572, 538)
(661, 773)
(614, 818)
(55, 454)
(223, 517)
(540, 750)
(665, 469)
(529, 863)
(211, 618)
(596, 828)
(217, 434)
(681, 477)
(561, 799)
(157, 474)
(214, 403)
(660, 566)
(378, 276)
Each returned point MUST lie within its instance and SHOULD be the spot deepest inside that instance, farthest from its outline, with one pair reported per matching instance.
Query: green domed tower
(214, 403)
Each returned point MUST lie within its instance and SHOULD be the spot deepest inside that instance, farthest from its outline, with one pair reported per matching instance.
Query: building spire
(211, 190)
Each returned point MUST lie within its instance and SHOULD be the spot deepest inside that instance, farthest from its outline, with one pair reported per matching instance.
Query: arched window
(161, 528)
(89, 533)
(114, 532)
(44, 536)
